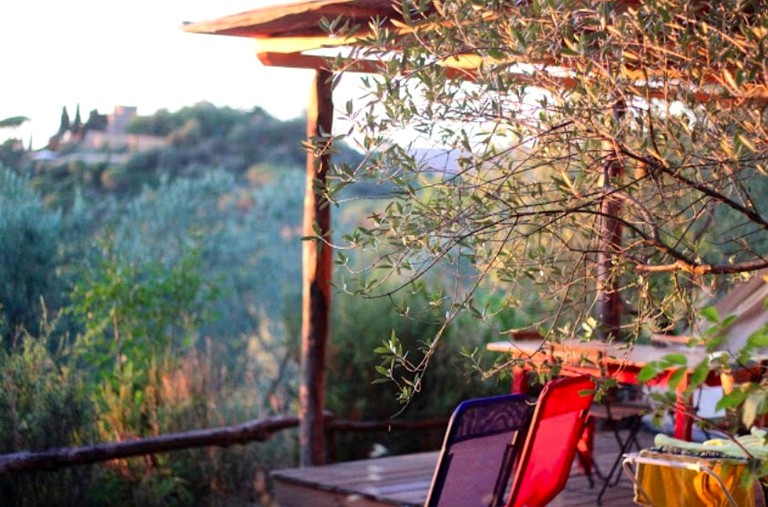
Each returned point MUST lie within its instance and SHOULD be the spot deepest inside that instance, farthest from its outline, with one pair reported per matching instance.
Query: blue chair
(478, 451)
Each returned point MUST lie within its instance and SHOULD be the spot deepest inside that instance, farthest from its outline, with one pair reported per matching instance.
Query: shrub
(359, 326)
(28, 258)
(44, 404)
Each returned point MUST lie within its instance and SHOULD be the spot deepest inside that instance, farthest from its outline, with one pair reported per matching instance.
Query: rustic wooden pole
(259, 430)
(316, 262)
(609, 304)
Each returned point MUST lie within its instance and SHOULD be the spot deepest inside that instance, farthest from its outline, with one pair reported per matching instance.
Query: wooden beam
(302, 61)
(299, 44)
(316, 259)
(462, 67)
(292, 60)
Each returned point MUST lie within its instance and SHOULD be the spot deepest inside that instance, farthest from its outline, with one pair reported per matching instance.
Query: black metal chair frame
(618, 417)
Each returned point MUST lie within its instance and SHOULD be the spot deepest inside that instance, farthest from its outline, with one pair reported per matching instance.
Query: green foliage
(204, 136)
(46, 403)
(13, 121)
(159, 124)
(43, 404)
(29, 256)
(745, 403)
(46, 406)
(138, 318)
(174, 324)
(235, 239)
(134, 313)
(247, 241)
(579, 120)
(158, 489)
(359, 327)
(199, 389)
(14, 156)
(199, 138)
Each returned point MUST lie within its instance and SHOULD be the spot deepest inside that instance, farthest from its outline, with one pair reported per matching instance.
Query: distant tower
(120, 118)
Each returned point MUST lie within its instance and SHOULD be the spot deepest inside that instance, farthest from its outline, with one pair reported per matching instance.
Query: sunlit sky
(100, 54)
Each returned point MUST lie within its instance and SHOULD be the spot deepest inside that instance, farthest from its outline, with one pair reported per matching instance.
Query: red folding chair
(550, 446)
(484, 444)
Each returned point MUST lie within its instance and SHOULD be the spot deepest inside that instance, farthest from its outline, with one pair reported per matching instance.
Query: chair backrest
(550, 445)
(478, 444)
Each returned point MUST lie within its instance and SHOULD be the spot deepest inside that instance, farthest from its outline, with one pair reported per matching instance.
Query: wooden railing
(258, 430)
(333, 426)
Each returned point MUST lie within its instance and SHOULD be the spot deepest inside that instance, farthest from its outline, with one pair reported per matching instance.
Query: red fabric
(550, 446)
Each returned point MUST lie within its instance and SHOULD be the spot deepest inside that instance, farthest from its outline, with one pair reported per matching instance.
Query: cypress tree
(64, 125)
(78, 123)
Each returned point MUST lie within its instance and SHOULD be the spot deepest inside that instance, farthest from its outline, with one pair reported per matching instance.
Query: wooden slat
(404, 481)
(389, 481)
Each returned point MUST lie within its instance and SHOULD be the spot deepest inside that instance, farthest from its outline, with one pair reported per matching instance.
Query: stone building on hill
(105, 133)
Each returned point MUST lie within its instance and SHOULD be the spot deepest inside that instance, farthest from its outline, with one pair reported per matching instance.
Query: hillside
(184, 144)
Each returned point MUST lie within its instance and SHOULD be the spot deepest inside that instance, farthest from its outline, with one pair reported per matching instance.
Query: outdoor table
(608, 359)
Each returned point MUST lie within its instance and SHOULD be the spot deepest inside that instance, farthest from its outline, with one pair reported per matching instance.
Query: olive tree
(610, 157)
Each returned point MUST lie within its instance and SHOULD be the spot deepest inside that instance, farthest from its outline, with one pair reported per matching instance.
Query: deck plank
(404, 481)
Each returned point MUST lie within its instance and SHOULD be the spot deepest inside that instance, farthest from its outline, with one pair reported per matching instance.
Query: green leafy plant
(356, 357)
(608, 158)
(136, 311)
(44, 403)
(745, 403)
(29, 257)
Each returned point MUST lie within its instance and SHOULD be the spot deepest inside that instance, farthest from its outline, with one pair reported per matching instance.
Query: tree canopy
(13, 121)
(612, 155)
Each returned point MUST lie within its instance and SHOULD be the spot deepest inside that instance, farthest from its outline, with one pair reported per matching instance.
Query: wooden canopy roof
(286, 35)
(294, 19)
(283, 33)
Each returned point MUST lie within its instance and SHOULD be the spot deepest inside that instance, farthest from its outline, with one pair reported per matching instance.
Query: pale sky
(102, 53)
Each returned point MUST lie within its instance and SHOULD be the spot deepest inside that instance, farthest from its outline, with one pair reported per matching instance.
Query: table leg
(585, 450)
(683, 421)
(520, 380)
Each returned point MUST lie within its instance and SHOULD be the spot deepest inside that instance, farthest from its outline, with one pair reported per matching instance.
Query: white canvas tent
(747, 303)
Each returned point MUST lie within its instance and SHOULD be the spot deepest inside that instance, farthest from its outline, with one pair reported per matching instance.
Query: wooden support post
(316, 265)
(609, 304)
(608, 297)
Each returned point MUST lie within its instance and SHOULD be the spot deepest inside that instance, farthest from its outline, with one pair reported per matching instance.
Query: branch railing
(257, 430)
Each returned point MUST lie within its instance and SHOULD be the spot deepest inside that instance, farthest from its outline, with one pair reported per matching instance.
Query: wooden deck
(404, 481)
